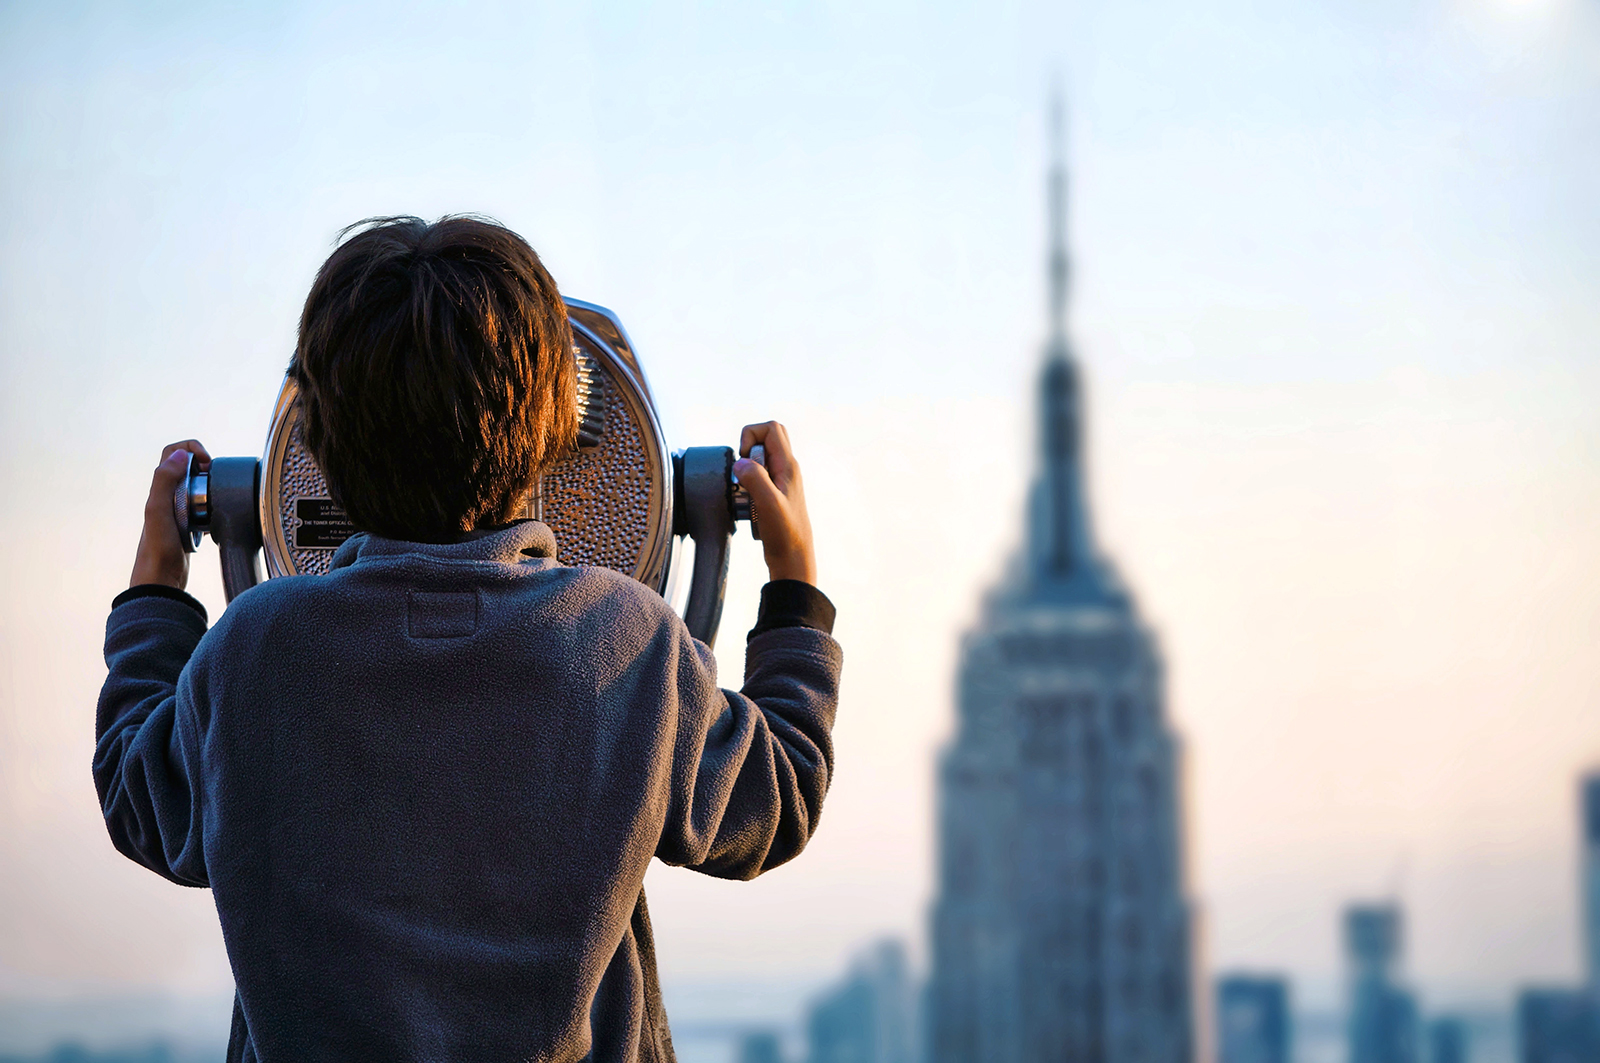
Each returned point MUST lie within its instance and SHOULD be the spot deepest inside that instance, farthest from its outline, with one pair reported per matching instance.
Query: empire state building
(1061, 933)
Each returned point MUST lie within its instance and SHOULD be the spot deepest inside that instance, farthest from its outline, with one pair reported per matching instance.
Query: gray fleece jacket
(424, 790)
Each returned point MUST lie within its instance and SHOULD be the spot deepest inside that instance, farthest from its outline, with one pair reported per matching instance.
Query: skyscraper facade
(1061, 930)
(1557, 1026)
(1589, 802)
(1448, 1040)
(867, 1018)
(1561, 1025)
(1253, 1019)
(1383, 1014)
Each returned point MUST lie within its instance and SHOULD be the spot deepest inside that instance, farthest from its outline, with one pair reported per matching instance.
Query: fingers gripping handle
(223, 502)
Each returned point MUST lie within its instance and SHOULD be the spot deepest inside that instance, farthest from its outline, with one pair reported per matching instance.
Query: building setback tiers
(1061, 932)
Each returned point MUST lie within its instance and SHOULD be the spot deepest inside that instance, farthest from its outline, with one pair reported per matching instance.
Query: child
(424, 788)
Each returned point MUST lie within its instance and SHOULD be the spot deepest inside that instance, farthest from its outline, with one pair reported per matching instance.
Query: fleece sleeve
(751, 768)
(146, 758)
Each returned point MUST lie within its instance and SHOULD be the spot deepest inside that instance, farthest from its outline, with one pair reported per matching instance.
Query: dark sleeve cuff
(793, 603)
(161, 590)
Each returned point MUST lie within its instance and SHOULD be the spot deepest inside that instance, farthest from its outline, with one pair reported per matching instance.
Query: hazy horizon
(1334, 296)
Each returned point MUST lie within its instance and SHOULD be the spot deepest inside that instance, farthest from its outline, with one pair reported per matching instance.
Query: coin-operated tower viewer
(423, 770)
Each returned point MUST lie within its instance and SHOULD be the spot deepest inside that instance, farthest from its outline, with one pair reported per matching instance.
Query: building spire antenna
(1058, 225)
(1061, 533)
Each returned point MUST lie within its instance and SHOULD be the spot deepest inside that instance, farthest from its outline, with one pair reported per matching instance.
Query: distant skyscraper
(1447, 1040)
(1563, 1025)
(1252, 1019)
(1383, 1015)
(1590, 814)
(1061, 931)
(868, 1017)
(1557, 1026)
(759, 1046)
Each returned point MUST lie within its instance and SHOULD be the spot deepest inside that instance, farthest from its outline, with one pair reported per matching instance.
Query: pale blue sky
(1336, 268)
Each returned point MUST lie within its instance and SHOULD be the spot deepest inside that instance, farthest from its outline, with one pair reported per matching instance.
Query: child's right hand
(161, 557)
(780, 500)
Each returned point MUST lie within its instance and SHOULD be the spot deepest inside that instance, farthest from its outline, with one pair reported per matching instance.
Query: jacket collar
(511, 545)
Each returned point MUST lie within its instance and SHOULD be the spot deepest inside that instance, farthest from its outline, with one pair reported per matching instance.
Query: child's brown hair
(436, 376)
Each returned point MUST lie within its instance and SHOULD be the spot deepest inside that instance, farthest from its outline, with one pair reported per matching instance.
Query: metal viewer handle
(191, 506)
(222, 501)
(744, 507)
(707, 502)
(704, 512)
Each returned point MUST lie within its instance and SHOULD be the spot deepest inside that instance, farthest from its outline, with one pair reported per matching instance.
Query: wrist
(803, 570)
(140, 579)
(147, 572)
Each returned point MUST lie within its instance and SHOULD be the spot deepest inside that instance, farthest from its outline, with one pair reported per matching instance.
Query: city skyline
(1335, 300)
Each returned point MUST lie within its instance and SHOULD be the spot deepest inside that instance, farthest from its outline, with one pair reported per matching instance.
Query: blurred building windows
(1253, 1023)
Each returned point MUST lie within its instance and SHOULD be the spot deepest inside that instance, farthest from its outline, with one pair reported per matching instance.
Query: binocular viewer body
(621, 499)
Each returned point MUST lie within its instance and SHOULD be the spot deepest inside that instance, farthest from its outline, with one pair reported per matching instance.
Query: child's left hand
(161, 557)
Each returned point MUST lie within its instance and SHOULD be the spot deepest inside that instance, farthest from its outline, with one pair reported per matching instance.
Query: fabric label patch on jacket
(441, 614)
